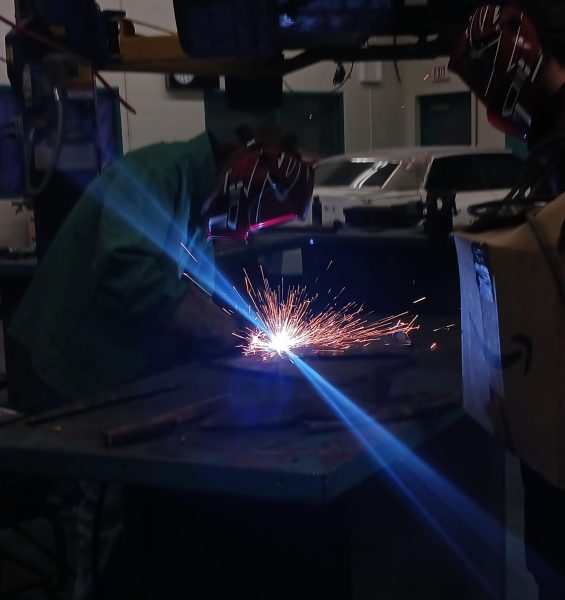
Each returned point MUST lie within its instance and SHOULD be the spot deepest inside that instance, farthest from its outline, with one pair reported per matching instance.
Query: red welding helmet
(499, 56)
(260, 187)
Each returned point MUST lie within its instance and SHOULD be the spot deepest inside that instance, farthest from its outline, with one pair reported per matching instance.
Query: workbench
(265, 507)
(275, 509)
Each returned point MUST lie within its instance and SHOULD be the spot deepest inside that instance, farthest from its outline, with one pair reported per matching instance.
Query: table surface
(258, 445)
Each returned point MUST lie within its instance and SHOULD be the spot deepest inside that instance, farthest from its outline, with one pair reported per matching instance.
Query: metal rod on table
(79, 408)
(150, 426)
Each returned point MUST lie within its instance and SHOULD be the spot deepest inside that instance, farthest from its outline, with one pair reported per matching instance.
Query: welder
(513, 57)
(110, 302)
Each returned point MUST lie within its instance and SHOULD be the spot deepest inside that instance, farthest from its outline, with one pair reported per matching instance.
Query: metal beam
(163, 54)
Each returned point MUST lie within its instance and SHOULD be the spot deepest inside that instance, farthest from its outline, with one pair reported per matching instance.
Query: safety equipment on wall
(44, 123)
(260, 187)
(500, 57)
(59, 121)
(55, 89)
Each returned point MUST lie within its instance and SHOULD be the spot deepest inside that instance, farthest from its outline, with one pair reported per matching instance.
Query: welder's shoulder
(169, 153)
(170, 166)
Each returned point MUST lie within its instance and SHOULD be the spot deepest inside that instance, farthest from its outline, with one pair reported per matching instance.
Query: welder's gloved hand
(202, 327)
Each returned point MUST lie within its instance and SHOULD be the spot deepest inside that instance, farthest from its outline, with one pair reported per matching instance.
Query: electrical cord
(288, 86)
(37, 189)
(339, 75)
(345, 80)
(337, 80)
(396, 69)
(513, 207)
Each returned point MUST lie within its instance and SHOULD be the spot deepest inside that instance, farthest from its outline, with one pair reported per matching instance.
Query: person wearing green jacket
(109, 302)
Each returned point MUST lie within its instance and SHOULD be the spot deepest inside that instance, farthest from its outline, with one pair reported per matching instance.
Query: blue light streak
(438, 501)
(286, 21)
(193, 253)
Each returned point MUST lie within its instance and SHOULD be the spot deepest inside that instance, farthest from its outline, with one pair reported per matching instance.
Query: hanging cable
(287, 86)
(36, 189)
(340, 78)
(396, 69)
(346, 78)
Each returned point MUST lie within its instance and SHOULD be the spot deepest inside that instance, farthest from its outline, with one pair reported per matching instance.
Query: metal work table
(292, 495)
(267, 450)
(284, 463)
(270, 500)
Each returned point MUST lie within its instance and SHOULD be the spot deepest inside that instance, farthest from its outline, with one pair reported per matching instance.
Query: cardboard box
(513, 337)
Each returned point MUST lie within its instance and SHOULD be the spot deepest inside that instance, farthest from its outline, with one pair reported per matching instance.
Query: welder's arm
(134, 264)
(202, 322)
(138, 283)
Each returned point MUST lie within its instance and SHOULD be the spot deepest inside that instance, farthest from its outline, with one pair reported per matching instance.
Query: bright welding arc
(288, 324)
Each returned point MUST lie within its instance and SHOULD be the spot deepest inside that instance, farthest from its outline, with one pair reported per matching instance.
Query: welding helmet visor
(500, 57)
(262, 186)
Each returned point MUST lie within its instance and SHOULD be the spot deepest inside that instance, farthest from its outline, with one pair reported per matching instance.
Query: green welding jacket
(113, 276)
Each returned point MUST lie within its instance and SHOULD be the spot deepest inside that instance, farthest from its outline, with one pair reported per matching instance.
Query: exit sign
(441, 73)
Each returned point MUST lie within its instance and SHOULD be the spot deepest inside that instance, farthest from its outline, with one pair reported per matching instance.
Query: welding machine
(50, 57)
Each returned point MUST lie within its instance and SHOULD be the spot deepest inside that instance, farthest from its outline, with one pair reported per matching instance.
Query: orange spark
(287, 323)
(446, 327)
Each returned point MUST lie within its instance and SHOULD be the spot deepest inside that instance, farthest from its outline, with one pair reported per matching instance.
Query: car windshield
(341, 173)
(379, 174)
(473, 171)
(354, 172)
(409, 175)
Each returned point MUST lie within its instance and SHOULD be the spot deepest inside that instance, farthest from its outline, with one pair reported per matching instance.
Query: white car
(394, 187)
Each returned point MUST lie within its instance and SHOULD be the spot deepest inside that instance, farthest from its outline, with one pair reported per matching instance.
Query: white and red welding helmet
(262, 186)
(500, 57)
